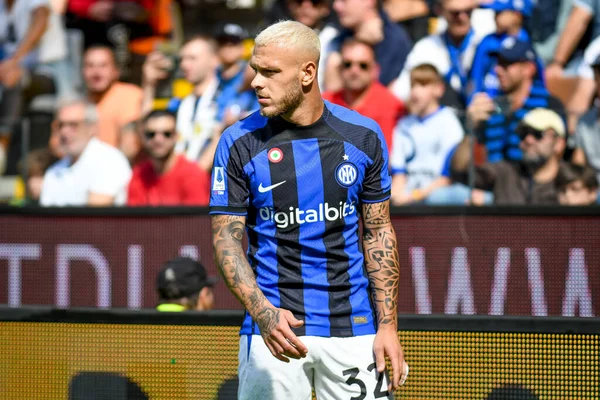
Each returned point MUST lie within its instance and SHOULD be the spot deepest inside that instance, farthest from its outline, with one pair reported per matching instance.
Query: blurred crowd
(480, 101)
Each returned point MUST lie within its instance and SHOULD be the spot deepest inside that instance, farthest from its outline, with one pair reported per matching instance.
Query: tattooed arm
(381, 262)
(274, 323)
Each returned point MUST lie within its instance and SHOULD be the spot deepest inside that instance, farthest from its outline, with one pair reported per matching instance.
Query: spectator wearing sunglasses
(91, 172)
(362, 91)
(532, 180)
(450, 51)
(166, 178)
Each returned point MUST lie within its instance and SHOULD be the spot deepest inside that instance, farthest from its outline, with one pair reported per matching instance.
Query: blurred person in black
(184, 285)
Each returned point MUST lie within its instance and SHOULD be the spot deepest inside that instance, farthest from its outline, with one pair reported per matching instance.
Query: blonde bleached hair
(290, 34)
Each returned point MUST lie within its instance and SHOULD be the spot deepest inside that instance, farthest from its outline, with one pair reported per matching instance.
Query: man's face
(505, 20)
(277, 80)
(197, 61)
(458, 15)
(230, 52)
(358, 67)
(159, 137)
(351, 12)
(511, 75)
(99, 70)
(577, 194)
(308, 12)
(73, 131)
(538, 148)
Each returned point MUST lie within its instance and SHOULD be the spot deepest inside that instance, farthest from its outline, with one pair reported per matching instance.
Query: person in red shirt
(362, 91)
(166, 178)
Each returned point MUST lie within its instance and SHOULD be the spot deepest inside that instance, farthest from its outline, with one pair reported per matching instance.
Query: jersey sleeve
(377, 184)
(229, 184)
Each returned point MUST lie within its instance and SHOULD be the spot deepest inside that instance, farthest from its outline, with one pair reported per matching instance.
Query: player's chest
(299, 172)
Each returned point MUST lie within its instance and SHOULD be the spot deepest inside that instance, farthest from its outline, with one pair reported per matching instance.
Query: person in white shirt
(92, 173)
(450, 51)
(424, 140)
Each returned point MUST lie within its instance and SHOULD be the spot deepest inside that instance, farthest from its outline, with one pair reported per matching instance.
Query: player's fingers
(276, 350)
(293, 321)
(379, 358)
(293, 340)
(288, 349)
(396, 369)
(404, 375)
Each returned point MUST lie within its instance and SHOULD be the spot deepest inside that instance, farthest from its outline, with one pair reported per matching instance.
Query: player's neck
(163, 166)
(354, 98)
(200, 87)
(308, 112)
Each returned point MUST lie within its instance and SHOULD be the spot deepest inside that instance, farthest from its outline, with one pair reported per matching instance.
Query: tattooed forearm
(267, 318)
(381, 260)
(228, 232)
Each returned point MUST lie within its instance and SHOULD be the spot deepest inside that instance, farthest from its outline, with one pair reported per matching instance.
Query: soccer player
(296, 176)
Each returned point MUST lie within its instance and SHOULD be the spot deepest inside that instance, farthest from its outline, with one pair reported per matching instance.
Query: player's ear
(308, 73)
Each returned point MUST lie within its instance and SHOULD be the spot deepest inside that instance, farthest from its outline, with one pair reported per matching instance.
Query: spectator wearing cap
(587, 134)
(495, 121)
(362, 91)
(450, 51)
(532, 179)
(198, 114)
(92, 173)
(184, 285)
(577, 185)
(236, 98)
(166, 178)
(366, 21)
(510, 20)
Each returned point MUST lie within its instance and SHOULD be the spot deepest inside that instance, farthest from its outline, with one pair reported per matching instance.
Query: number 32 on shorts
(353, 379)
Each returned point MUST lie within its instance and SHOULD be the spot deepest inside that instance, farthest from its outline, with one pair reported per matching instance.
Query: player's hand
(387, 344)
(275, 327)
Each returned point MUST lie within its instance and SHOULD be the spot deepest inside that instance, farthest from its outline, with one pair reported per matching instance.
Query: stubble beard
(290, 101)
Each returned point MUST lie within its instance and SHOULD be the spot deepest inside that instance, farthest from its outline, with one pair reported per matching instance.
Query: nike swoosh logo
(263, 189)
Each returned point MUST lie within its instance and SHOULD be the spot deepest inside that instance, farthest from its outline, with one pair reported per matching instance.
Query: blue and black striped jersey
(301, 189)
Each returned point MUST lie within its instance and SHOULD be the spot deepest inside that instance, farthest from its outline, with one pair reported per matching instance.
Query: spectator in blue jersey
(294, 175)
(367, 22)
(450, 51)
(199, 114)
(531, 180)
(238, 100)
(424, 140)
(495, 120)
(510, 21)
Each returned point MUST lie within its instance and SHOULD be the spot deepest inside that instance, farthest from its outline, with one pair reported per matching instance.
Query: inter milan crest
(275, 155)
(346, 174)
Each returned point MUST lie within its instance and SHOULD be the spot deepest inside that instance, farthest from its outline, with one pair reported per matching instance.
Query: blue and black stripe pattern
(301, 189)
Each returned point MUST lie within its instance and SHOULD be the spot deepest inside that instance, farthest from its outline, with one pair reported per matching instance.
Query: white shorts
(336, 368)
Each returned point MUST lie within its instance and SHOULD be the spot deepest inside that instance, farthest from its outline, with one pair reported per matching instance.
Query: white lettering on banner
(536, 282)
(460, 290)
(135, 278)
(420, 280)
(190, 251)
(501, 269)
(67, 252)
(15, 253)
(577, 289)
